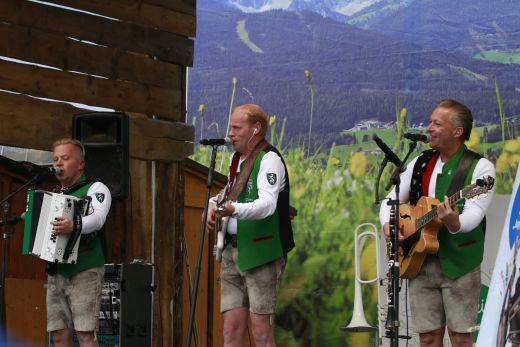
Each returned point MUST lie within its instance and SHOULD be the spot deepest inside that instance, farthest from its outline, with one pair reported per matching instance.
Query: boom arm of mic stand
(395, 175)
(378, 179)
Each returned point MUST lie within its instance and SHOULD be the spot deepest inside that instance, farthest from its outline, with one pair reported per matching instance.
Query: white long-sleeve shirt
(271, 164)
(474, 210)
(99, 208)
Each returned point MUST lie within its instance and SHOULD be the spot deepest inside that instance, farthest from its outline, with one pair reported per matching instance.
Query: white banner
(500, 325)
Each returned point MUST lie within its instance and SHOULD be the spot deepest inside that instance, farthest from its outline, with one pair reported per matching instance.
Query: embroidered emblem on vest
(100, 197)
(249, 186)
(271, 178)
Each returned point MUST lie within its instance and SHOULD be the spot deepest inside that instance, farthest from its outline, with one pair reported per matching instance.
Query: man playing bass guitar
(445, 291)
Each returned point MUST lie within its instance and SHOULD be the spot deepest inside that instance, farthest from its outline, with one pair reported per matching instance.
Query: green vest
(90, 252)
(258, 241)
(461, 252)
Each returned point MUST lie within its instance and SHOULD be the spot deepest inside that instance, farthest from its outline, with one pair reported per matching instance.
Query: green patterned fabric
(258, 241)
(90, 253)
(461, 252)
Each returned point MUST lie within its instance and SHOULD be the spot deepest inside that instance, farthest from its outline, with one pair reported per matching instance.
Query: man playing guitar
(259, 232)
(445, 292)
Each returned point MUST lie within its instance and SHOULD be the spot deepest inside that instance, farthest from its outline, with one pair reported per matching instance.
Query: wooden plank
(34, 45)
(33, 123)
(164, 141)
(129, 225)
(138, 12)
(209, 295)
(169, 223)
(25, 312)
(164, 45)
(162, 129)
(184, 6)
(74, 87)
(160, 149)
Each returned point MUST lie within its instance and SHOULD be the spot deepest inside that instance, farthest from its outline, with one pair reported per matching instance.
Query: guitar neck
(432, 214)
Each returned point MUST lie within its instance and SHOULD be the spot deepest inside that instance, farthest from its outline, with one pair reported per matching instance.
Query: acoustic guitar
(419, 226)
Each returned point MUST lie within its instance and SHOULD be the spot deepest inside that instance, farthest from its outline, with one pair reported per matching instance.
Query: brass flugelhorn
(358, 323)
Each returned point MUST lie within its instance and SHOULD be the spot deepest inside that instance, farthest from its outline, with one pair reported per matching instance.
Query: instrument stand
(392, 321)
(6, 205)
(209, 184)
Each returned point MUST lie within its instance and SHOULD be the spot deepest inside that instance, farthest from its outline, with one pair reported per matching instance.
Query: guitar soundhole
(407, 244)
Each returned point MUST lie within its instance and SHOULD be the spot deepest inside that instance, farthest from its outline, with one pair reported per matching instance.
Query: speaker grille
(105, 138)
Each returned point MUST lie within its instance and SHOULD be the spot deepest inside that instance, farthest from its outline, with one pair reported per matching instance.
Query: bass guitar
(419, 226)
(221, 226)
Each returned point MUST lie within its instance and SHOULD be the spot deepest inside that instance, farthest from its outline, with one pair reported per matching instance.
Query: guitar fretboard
(432, 214)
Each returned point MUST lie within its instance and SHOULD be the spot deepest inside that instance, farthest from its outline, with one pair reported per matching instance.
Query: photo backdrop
(331, 73)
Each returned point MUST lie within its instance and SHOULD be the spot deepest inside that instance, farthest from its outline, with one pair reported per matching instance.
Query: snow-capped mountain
(326, 8)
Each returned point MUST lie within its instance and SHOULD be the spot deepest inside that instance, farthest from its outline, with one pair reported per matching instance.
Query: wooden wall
(66, 56)
(208, 322)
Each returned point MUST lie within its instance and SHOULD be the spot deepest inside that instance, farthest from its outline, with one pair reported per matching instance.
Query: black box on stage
(105, 138)
(126, 304)
(125, 317)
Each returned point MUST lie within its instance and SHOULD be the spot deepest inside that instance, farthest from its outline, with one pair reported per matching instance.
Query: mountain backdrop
(365, 57)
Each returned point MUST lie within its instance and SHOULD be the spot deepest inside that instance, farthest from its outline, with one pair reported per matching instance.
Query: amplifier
(125, 317)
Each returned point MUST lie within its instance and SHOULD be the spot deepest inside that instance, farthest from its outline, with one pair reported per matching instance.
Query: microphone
(390, 155)
(36, 169)
(418, 137)
(215, 142)
(53, 170)
(12, 220)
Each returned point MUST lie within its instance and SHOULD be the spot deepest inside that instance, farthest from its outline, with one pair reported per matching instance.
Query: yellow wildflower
(502, 163)
(358, 165)
(307, 73)
(474, 140)
(202, 108)
(334, 161)
(515, 159)
(513, 146)
(403, 114)
(272, 120)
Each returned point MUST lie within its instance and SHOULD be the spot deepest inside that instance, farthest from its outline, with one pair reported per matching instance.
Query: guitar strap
(245, 171)
(457, 182)
(420, 176)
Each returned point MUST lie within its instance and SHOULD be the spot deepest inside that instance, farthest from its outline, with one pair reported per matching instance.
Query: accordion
(39, 240)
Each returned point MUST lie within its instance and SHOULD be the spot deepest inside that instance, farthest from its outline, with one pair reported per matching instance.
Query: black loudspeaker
(105, 138)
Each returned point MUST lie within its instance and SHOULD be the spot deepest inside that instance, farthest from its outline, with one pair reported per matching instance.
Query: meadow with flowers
(333, 190)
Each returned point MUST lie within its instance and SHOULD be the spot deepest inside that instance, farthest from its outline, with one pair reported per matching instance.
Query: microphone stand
(392, 322)
(6, 205)
(209, 184)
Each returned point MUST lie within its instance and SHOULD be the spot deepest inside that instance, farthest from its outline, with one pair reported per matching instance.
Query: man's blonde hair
(254, 114)
(69, 141)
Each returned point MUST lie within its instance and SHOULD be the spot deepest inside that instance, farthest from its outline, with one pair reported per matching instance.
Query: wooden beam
(164, 45)
(33, 123)
(35, 45)
(85, 89)
(184, 6)
(138, 12)
(169, 229)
